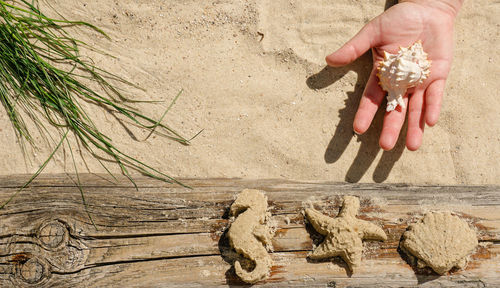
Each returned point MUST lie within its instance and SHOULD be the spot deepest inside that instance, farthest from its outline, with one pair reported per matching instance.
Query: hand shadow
(344, 132)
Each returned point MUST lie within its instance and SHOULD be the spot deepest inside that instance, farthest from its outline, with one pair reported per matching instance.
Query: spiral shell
(401, 71)
(441, 240)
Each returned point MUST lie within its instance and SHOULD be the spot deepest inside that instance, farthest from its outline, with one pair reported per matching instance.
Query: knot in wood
(53, 235)
(33, 271)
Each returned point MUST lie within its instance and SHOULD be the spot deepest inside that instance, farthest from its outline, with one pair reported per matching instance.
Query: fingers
(416, 120)
(433, 98)
(366, 38)
(393, 121)
(368, 106)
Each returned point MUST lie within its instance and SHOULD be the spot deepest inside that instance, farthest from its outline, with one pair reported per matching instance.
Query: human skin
(430, 21)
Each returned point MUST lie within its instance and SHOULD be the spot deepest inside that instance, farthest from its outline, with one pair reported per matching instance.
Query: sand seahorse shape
(249, 235)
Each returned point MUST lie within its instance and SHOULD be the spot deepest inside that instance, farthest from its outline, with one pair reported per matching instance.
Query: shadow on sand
(344, 132)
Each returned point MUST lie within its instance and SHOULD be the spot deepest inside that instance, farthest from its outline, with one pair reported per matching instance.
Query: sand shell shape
(401, 71)
(441, 240)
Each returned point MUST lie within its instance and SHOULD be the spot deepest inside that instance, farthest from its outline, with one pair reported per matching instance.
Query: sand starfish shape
(344, 234)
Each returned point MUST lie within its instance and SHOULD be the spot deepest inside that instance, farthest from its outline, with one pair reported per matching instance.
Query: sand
(254, 80)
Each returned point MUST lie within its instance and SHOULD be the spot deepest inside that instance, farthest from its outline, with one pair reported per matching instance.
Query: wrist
(450, 7)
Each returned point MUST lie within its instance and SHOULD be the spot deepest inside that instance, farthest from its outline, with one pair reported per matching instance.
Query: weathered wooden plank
(165, 235)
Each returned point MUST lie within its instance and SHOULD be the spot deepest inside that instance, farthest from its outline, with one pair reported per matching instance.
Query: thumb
(367, 37)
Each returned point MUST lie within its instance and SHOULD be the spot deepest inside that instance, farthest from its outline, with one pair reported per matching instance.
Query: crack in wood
(112, 263)
(133, 236)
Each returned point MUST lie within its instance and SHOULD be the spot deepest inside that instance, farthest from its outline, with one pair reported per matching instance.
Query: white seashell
(401, 71)
(441, 241)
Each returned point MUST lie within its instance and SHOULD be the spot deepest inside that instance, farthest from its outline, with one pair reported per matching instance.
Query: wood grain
(163, 235)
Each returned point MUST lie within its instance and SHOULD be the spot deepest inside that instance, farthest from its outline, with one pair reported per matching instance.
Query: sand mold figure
(441, 241)
(344, 234)
(249, 235)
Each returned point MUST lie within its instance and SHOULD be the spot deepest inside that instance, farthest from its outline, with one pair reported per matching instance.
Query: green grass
(43, 77)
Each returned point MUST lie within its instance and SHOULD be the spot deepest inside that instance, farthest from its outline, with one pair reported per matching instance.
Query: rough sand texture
(344, 234)
(441, 240)
(249, 234)
(268, 108)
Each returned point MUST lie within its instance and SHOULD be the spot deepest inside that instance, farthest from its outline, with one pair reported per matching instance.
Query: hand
(402, 25)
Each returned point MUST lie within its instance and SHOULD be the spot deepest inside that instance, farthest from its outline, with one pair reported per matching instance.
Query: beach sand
(255, 82)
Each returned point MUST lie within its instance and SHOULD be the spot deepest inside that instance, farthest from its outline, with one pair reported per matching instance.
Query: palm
(402, 25)
(406, 23)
